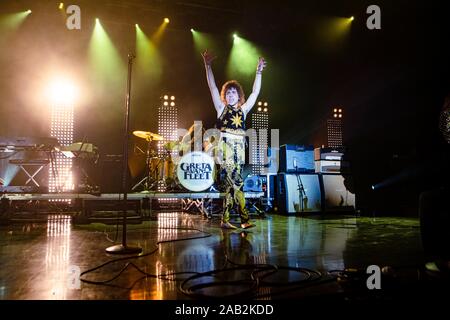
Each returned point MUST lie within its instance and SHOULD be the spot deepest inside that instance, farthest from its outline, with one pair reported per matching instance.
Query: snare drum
(196, 171)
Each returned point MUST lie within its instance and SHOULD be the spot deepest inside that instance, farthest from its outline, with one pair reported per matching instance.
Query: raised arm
(248, 105)
(218, 104)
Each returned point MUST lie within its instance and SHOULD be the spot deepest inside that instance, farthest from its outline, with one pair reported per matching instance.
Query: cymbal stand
(146, 181)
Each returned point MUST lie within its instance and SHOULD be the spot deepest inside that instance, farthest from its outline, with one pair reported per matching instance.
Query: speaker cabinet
(299, 193)
(336, 196)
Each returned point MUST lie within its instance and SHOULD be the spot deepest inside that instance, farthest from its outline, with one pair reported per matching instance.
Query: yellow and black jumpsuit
(231, 123)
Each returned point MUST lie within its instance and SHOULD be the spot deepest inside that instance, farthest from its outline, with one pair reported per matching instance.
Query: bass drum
(196, 171)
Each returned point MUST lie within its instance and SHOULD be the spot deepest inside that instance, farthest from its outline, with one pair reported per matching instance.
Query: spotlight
(259, 103)
(340, 116)
(335, 115)
(235, 36)
(166, 20)
(137, 26)
(96, 20)
(352, 18)
(61, 6)
(340, 110)
(166, 103)
(373, 187)
(166, 97)
(28, 11)
(192, 30)
(259, 108)
(172, 97)
(334, 110)
(265, 104)
(172, 104)
(265, 109)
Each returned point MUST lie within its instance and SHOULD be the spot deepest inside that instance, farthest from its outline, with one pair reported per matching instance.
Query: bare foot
(227, 225)
(247, 225)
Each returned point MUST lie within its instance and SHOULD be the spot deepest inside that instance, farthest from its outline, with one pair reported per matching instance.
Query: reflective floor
(186, 256)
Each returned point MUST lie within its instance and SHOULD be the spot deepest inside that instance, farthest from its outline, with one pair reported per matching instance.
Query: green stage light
(13, 20)
(106, 63)
(243, 58)
(148, 59)
(203, 41)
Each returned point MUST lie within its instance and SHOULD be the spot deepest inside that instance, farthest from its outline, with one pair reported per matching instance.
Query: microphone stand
(124, 248)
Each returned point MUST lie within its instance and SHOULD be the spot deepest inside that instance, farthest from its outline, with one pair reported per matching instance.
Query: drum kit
(194, 171)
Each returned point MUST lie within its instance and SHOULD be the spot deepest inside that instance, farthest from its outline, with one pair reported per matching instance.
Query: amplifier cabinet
(291, 199)
(331, 166)
(336, 197)
(296, 158)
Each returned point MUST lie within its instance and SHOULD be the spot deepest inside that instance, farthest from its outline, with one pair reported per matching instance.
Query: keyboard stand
(31, 168)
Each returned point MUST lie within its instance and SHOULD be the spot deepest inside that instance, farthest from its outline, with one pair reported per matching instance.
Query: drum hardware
(152, 162)
(160, 170)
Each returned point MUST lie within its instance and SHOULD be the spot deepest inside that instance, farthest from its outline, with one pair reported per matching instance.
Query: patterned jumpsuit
(231, 123)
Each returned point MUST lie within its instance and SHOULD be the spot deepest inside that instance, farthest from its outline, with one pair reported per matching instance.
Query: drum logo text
(196, 171)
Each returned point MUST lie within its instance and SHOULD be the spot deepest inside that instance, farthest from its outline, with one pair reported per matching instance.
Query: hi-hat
(147, 135)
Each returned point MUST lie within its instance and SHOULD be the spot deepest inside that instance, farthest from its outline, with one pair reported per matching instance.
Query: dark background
(391, 82)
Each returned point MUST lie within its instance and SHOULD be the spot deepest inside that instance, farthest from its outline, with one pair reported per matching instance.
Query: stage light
(352, 18)
(259, 138)
(340, 110)
(166, 20)
(167, 126)
(148, 59)
(10, 22)
(265, 104)
(242, 58)
(373, 187)
(334, 110)
(340, 115)
(62, 94)
(61, 6)
(172, 97)
(137, 26)
(105, 61)
(192, 30)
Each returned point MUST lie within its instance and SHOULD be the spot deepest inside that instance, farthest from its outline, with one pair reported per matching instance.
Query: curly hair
(233, 84)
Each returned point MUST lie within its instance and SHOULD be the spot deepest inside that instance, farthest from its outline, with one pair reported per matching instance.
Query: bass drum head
(195, 171)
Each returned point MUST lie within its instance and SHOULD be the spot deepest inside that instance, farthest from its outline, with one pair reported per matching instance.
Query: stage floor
(42, 260)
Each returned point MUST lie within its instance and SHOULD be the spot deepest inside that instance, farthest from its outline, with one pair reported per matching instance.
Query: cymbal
(148, 135)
